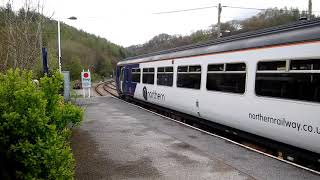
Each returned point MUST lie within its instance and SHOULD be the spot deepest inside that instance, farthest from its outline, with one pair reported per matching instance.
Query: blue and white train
(265, 83)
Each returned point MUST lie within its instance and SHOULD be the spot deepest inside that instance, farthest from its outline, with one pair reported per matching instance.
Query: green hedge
(34, 128)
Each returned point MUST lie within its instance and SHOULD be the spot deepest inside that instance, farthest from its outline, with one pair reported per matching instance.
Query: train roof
(302, 31)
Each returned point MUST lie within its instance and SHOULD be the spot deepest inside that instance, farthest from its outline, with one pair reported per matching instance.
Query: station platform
(118, 140)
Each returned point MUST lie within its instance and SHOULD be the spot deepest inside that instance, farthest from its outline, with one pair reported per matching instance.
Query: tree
(75, 67)
(20, 49)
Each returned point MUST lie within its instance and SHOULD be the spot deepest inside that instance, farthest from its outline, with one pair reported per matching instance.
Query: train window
(305, 65)
(165, 76)
(148, 76)
(121, 73)
(272, 66)
(161, 69)
(232, 80)
(236, 67)
(135, 75)
(216, 67)
(194, 68)
(183, 69)
(300, 82)
(169, 69)
(126, 74)
(189, 77)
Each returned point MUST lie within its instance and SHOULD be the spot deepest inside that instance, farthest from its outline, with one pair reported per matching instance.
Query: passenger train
(265, 83)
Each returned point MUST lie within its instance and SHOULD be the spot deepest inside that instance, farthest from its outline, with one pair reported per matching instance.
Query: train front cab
(125, 86)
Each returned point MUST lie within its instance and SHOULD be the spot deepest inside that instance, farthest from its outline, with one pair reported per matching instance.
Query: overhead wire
(225, 6)
(248, 8)
(184, 10)
(263, 9)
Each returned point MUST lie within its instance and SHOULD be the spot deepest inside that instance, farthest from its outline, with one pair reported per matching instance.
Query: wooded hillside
(23, 33)
(264, 19)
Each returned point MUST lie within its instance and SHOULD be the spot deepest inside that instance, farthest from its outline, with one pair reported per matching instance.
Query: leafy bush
(34, 128)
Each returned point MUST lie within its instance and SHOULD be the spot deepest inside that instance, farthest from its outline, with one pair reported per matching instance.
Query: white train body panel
(242, 111)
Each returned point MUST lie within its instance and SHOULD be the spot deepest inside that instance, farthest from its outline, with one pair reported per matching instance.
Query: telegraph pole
(310, 10)
(219, 17)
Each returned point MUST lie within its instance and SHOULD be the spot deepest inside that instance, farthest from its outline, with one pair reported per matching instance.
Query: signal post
(86, 83)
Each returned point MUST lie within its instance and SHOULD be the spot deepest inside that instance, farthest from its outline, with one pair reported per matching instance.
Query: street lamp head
(72, 18)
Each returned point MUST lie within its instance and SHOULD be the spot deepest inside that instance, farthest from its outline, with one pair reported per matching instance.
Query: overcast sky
(128, 22)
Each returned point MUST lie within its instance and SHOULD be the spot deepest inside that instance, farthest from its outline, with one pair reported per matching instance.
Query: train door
(121, 79)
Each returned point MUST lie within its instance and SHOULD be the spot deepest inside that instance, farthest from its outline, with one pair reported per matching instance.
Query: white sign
(86, 79)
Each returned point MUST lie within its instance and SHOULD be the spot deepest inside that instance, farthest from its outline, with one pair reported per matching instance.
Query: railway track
(111, 86)
(110, 89)
(106, 88)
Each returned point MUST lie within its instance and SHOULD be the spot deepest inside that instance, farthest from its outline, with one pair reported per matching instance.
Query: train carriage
(265, 83)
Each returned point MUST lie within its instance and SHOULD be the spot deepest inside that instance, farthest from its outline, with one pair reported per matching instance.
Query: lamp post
(59, 41)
